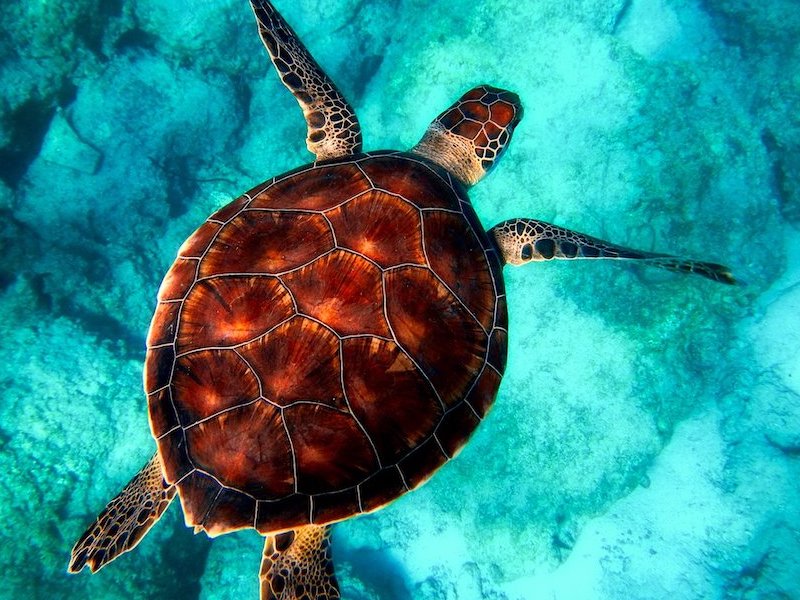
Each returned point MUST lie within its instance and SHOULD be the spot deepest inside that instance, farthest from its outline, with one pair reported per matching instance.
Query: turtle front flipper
(523, 240)
(126, 519)
(333, 129)
(297, 565)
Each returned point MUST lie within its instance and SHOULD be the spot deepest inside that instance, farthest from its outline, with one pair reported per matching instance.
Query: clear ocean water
(645, 440)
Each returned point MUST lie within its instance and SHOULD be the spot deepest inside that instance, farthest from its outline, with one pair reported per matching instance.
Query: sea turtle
(325, 342)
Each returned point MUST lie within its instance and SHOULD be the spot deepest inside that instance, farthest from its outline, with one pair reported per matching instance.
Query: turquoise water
(645, 440)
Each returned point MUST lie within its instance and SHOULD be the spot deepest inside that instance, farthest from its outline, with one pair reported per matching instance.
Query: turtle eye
(527, 252)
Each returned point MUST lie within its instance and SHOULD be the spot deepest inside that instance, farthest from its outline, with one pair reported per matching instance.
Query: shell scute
(329, 186)
(231, 510)
(342, 290)
(164, 324)
(460, 345)
(445, 232)
(418, 466)
(226, 311)
(498, 343)
(396, 406)
(386, 485)
(298, 362)
(178, 280)
(174, 455)
(198, 492)
(267, 242)
(163, 417)
(275, 515)
(481, 396)
(450, 431)
(415, 182)
(158, 367)
(335, 506)
(196, 244)
(382, 227)
(209, 382)
(331, 450)
(246, 448)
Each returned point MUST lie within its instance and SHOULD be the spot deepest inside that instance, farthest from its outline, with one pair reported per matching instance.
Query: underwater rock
(6, 197)
(767, 569)
(231, 569)
(669, 539)
(784, 152)
(42, 47)
(152, 122)
(47, 387)
(778, 333)
(141, 114)
(775, 335)
(63, 147)
(189, 33)
(765, 35)
(648, 26)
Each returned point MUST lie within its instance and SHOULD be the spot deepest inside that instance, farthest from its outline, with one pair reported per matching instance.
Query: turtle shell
(323, 344)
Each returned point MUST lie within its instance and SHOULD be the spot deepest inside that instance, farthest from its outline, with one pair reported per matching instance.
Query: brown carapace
(323, 344)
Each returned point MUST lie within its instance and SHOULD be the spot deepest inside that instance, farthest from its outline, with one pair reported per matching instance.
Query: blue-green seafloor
(646, 439)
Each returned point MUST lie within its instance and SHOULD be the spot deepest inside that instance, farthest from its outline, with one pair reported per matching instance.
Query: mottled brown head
(469, 137)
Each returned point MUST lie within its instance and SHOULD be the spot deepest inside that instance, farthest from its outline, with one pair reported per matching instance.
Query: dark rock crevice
(785, 165)
(27, 126)
(620, 16)
(135, 39)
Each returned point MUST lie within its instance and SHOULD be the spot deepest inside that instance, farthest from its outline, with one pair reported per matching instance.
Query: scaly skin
(333, 129)
(126, 519)
(297, 565)
(524, 240)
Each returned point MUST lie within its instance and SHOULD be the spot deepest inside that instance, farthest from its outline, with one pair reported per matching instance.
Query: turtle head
(469, 137)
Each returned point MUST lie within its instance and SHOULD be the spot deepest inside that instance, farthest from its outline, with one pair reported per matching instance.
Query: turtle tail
(125, 521)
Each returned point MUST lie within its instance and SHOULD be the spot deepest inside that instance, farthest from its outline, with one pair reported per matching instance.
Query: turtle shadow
(184, 556)
(377, 573)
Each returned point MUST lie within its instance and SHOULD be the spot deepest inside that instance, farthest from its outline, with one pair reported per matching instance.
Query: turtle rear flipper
(297, 565)
(126, 519)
